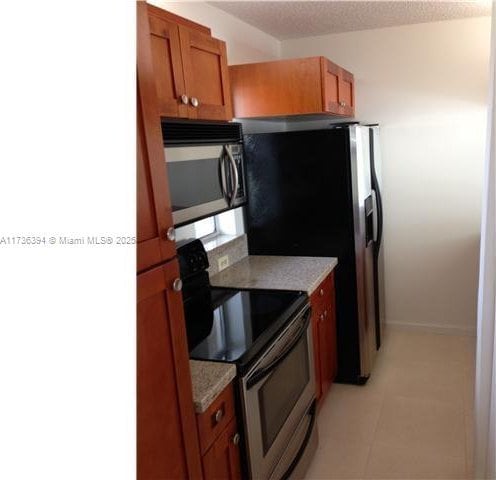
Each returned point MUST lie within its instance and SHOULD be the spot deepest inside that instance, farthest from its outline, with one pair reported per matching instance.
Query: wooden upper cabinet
(206, 75)
(155, 242)
(222, 461)
(330, 80)
(302, 86)
(347, 93)
(190, 68)
(167, 64)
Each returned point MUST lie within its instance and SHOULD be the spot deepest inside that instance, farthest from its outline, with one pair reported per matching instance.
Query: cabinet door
(326, 350)
(346, 93)
(316, 350)
(167, 66)
(206, 75)
(327, 339)
(154, 211)
(222, 461)
(167, 441)
(330, 86)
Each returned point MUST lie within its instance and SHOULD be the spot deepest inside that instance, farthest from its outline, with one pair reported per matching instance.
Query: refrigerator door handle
(375, 214)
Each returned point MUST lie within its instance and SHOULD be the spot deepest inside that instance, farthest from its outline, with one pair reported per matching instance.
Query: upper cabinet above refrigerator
(190, 68)
(284, 88)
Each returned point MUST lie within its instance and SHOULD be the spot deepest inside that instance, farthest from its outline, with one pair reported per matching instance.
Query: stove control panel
(192, 258)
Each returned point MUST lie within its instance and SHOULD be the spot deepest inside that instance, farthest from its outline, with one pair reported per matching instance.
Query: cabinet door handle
(321, 318)
(325, 313)
(219, 414)
(184, 99)
(342, 104)
(177, 285)
(194, 101)
(236, 439)
(170, 234)
(321, 292)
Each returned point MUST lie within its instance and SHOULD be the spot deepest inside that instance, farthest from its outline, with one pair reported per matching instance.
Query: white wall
(245, 43)
(426, 85)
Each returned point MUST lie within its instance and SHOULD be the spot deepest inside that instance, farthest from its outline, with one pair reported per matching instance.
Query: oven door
(204, 180)
(276, 395)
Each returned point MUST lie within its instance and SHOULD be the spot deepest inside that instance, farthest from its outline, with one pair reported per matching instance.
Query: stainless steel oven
(267, 335)
(278, 403)
(205, 168)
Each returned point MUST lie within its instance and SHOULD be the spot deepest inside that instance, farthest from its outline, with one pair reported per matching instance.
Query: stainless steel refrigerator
(316, 193)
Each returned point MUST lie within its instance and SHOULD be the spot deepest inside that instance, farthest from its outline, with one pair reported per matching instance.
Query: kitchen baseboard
(427, 328)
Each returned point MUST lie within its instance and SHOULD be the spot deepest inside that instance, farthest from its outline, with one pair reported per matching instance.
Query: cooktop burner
(243, 321)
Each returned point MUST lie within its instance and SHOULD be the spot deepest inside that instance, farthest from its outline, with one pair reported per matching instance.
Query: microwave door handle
(222, 175)
(235, 175)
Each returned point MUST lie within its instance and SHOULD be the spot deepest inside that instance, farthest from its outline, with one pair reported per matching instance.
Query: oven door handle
(263, 372)
(312, 412)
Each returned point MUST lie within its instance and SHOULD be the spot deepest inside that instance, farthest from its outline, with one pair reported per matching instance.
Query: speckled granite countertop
(208, 380)
(276, 273)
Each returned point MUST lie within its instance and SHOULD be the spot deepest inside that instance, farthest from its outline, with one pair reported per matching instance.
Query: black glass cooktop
(243, 322)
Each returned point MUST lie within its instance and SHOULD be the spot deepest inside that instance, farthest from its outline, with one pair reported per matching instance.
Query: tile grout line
(383, 398)
(466, 412)
(467, 473)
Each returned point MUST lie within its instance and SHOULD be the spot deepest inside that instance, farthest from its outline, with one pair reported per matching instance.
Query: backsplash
(226, 254)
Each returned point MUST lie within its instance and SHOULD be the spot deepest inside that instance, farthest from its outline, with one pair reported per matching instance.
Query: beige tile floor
(412, 420)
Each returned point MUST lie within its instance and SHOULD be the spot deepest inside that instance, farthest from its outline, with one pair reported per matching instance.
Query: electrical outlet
(223, 262)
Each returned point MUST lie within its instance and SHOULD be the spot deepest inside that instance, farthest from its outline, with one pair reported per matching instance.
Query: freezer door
(363, 214)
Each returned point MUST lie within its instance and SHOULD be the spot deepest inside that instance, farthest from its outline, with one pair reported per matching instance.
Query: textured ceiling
(289, 19)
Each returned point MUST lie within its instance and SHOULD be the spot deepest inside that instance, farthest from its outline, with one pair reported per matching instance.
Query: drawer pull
(219, 415)
(236, 439)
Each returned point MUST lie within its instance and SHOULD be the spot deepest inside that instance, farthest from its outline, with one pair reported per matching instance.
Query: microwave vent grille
(191, 133)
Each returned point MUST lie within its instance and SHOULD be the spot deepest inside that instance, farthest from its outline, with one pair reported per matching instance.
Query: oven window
(281, 391)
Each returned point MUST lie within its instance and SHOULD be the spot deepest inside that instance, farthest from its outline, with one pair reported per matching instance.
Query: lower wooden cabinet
(324, 335)
(219, 438)
(222, 460)
(215, 419)
(167, 439)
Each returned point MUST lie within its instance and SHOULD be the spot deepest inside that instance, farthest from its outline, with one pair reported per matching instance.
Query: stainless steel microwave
(205, 168)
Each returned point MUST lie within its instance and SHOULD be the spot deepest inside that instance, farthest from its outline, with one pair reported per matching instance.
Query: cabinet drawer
(215, 418)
